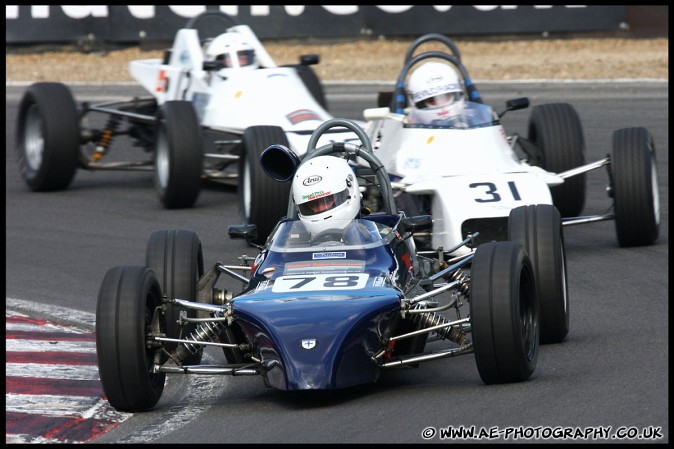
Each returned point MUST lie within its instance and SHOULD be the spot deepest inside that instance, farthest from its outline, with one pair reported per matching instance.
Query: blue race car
(332, 310)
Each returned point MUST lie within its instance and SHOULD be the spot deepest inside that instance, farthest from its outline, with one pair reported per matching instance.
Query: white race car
(214, 105)
(469, 174)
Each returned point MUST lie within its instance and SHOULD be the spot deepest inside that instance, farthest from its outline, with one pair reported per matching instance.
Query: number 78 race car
(213, 104)
(335, 309)
(468, 173)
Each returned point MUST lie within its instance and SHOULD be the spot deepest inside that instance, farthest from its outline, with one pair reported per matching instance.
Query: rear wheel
(178, 157)
(176, 257)
(127, 312)
(262, 201)
(556, 129)
(538, 228)
(48, 137)
(504, 313)
(635, 187)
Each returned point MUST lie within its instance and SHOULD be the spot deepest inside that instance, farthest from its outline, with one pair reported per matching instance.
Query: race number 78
(351, 281)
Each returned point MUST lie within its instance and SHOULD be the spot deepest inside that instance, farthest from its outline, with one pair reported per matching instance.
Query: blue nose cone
(319, 342)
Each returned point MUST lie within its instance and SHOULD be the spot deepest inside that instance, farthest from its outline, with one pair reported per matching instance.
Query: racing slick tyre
(176, 257)
(504, 313)
(128, 310)
(262, 201)
(556, 129)
(178, 155)
(538, 228)
(48, 136)
(312, 83)
(635, 187)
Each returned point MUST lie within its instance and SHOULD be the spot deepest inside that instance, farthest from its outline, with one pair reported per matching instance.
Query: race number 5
(489, 190)
(300, 283)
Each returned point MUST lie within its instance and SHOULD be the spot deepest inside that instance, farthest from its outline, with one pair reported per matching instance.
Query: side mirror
(310, 59)
(515, 104)
(409, 225)
(279, 162)
(212, 65)
(248, 232)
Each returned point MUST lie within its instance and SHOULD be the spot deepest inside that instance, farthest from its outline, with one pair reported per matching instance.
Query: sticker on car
(320, 282)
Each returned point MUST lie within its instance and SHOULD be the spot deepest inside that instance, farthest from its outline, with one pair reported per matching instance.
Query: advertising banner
(135, 24)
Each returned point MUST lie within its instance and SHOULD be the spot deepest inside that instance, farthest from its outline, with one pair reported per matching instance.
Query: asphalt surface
(612, 371)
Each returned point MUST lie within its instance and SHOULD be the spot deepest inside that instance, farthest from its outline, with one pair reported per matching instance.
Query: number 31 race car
(468, 173)
(328, 311)
(213, 105)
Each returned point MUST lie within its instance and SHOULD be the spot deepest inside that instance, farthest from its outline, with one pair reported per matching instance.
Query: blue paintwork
(348, 331)
(349, 326)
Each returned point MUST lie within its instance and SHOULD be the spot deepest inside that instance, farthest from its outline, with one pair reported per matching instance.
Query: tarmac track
(610, 373)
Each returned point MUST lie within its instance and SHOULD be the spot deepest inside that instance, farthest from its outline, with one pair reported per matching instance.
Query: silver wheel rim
(246, 189)
(33, 140)
(162, 165)
(656, 194)
(564, 287)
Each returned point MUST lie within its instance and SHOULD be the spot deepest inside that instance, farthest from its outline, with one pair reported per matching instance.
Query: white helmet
(326, 193)
(434, 90)
(233, 51)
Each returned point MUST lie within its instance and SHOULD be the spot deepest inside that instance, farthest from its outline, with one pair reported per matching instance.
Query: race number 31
(489, 191)
(313, 282)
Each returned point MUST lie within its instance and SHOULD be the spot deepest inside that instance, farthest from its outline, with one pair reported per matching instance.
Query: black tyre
(312, 83)
(538, 229)
(178, 155)
(504, 313)
(177, 259)
(48, 136)
(635, 187)
(262, 201)
(556, 129)
(126, 313)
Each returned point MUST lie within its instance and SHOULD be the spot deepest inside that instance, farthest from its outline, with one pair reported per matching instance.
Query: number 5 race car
(468, 173)
(325, 311)
(229, 87)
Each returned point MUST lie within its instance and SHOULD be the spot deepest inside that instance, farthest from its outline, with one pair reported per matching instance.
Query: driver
(436, 97)
(233, 51)
(327, 195)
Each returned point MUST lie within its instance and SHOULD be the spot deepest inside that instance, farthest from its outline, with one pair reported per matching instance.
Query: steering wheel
(219, 15)
(211, 23)
(429, 38)
(364, 151)
(332, 235)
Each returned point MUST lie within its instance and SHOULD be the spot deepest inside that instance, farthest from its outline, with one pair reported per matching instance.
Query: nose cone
(313, 343)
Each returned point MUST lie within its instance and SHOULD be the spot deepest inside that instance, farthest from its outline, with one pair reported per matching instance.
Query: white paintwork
(469, 173)
(272, 95)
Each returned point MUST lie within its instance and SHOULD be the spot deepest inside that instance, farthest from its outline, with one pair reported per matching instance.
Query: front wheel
(48, 137)
(178, 156)
(635, 187)
(128, 312)
(538, 228)
(262, 201)
(504, 313)
(177, 259)
(556, 129)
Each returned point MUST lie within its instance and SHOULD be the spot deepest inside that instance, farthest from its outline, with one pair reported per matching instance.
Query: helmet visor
(323, 204)
(440, 100)
(243, 58)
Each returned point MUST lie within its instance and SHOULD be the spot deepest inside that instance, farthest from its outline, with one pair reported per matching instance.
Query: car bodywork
(469, 173)
(194, 124)
(332, 310)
